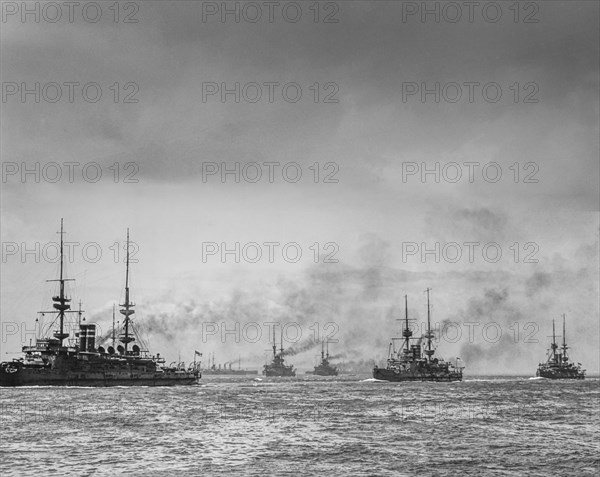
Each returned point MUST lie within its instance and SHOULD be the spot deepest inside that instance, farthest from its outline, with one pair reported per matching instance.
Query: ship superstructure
(324, 368)
(227, 368)
(277, 367)
(558, 365)
(81, 362)
(412, 362)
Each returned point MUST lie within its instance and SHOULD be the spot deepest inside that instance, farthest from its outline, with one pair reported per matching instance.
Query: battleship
(277, 366)
(558, 365)
(412, 363)
(82, 361)
(324, 368)
(227, 368)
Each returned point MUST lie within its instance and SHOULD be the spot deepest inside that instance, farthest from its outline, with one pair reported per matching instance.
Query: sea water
(347, 425)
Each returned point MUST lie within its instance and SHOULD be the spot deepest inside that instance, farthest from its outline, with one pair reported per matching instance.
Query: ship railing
(38, 346)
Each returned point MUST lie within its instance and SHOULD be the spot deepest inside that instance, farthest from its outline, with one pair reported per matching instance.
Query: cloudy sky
(361, 119)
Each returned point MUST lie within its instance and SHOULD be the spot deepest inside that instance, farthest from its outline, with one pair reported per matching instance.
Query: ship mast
(61, 301)
(554, 346)
(127, 311)
(113, 328)
(281, 343)
(406, 333)
(564, 345)
(429, 352)
(274, 344)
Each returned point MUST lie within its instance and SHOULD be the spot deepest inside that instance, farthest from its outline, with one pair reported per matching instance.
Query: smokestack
(91, 338)
(83, 338)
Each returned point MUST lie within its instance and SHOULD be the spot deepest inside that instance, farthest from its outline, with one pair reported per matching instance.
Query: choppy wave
(485, 425)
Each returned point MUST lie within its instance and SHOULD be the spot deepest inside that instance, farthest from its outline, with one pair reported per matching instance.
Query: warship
(412, 363)
(277, 366)
(324, 368)
(558, 366)
(227, 368)
(81, 361)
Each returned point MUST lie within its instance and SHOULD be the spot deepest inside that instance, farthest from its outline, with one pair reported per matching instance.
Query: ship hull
(325, 372)
(559, 375)
(278, 369)
(279, 372)
(276, 374)
(26, 377)
(384, 374)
